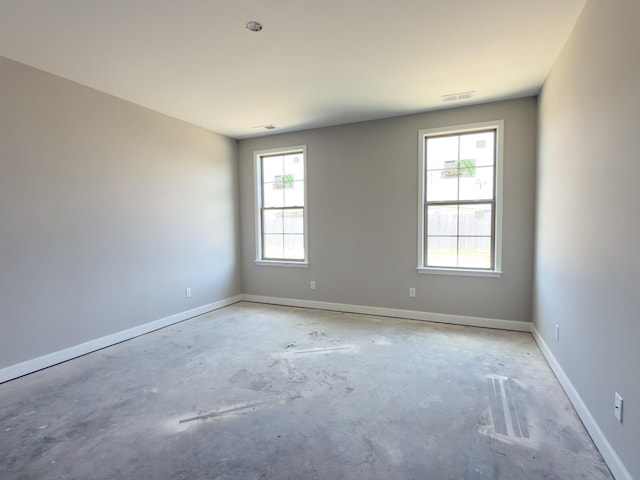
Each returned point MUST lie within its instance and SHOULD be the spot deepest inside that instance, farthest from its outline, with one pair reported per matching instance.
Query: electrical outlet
(617, 407)
(412, 292)
(557, 332)
(187, 293)
(312, 284)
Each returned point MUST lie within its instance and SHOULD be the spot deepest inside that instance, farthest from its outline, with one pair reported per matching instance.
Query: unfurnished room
(319, 240)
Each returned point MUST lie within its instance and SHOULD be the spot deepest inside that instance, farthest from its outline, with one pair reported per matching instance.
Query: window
(460, 214)
(281, 217)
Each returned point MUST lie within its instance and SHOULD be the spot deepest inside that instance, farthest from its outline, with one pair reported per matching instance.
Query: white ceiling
(315, 63)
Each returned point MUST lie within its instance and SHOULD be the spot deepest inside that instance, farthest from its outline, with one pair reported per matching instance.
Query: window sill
(459, 272)
(279, 263)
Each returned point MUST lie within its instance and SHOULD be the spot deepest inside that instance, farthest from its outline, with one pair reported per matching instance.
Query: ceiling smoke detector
(254, 26)
(269, 126)
(452, 97)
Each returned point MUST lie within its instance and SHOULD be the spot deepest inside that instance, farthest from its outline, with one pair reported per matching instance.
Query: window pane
(294, 221)
(281, 205)
(273, 194)
(459, 201)
(294, 165)
(442, 251)
(440, 150)
(272, 166)
(475, 252)
(273, 246)
(439, 188)
(479, 186)
(272, 221)
(475, 219)
(478, 146)
(294, 247)
(442, 220)
(294, 194)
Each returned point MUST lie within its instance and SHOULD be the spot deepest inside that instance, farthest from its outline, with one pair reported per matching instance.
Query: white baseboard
(395, 313)
(33, 365)
(614, 463)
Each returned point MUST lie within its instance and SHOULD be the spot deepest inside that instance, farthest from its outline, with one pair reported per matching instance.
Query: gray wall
(107, 212)
(588, 221)
(363, 195)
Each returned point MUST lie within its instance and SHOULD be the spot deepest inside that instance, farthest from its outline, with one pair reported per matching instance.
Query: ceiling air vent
(452, 97)
(269, 126)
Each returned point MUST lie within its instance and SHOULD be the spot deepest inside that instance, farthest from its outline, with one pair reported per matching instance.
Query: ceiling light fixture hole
(254, 26)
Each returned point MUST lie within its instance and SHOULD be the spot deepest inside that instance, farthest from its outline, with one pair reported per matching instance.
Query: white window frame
(257, 156)
(498, 125)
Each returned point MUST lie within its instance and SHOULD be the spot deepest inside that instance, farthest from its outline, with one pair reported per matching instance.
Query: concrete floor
(263, 392)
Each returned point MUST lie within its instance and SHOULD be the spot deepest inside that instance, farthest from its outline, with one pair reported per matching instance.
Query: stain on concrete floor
(264, 392)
